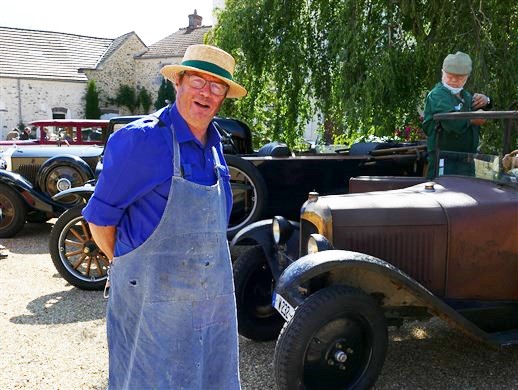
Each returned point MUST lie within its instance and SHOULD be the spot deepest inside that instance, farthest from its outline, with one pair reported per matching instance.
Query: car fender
(33, 199)
(260, 233)
(64, 159)
(391, 286)
(84, 192)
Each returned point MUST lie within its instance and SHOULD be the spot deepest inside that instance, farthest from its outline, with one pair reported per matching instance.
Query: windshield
(481, 166)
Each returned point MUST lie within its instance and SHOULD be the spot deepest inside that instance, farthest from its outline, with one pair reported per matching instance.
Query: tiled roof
(117, 42)
(49, 55)
(175, 44)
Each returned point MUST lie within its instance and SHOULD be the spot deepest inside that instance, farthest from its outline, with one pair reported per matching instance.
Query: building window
(59, 113)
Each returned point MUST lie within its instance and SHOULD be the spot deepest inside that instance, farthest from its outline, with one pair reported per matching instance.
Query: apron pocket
(210, 312)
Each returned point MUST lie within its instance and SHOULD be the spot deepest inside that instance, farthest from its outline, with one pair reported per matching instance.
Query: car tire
(249, 193)
(13, 212)
(337, 339)
(254, 285)
(38, 217)
(74, 253)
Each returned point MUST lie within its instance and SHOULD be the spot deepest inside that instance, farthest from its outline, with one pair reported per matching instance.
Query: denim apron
(171, 316)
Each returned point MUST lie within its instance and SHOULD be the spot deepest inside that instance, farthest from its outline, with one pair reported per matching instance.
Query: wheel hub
(338, 354)
(63, 184)
(90, 248)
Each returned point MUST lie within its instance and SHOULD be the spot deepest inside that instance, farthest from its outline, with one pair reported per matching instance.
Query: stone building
(44, 74)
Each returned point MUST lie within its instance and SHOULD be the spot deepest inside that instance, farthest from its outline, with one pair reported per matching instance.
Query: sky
(152, 20)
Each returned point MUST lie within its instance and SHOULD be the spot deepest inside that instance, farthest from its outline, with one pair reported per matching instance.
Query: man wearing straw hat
(160, 210)
(460, 136)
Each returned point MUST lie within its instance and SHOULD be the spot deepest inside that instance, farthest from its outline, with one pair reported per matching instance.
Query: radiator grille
(410, 249)
(28, 171)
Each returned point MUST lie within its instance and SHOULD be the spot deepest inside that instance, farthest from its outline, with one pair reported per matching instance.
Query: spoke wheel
(13, 212)
(337, 339)
(254, 285)
(63, 177)
(249, 194)
(74, 253)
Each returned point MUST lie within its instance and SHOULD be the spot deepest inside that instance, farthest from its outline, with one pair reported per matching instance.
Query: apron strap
(177, 170)
(218, 167)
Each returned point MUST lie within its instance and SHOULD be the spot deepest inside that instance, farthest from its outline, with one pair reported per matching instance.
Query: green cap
(458, 63)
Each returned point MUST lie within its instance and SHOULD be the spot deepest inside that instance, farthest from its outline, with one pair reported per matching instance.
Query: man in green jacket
(460, 135)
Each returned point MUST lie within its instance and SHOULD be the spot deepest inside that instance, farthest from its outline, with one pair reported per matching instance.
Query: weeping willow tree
(360, 66)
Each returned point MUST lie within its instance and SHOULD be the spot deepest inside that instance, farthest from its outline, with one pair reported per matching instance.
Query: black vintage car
(264, 183)
(360, 262)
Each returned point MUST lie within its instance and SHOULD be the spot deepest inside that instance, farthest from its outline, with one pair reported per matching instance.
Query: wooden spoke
(69, 254)
(101, 271)
(77, 235)
(86, 231)
(88, 265)
(79, 262)
(72, 242)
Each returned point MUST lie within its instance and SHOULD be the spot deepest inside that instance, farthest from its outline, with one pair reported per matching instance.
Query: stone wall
(148, 74)
(35, 99)
(118, 69)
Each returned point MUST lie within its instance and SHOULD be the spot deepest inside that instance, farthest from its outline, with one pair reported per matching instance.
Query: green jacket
(456, 135)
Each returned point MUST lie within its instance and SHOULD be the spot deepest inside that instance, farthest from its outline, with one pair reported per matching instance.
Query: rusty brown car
(367, 261)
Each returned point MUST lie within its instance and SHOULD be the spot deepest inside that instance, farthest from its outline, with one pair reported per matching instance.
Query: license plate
(283, 307)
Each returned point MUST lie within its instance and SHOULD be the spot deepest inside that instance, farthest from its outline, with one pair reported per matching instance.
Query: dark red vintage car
(360, 262)
(60, 131)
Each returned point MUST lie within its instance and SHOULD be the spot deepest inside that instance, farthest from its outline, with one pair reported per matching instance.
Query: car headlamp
(318, 243)
(281, 230)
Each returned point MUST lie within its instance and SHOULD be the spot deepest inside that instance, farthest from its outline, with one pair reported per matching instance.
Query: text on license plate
(283, 307)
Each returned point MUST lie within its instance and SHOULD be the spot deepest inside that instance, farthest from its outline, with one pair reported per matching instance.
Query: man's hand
(104, 237)
(478, 122)
(479, 101)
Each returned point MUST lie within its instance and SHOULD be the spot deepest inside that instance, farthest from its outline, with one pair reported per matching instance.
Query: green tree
(92, 110)
(144, 100)
(127, 97)
(362, 66)
(165, 92)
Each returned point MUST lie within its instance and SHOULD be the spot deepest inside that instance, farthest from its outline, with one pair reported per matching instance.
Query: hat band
(208, 67)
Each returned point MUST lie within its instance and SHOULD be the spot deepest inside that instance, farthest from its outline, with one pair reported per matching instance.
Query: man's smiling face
(197, 106)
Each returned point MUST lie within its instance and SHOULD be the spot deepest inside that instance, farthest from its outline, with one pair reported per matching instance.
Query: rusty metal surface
(460, 240)
(382, 183)
(482, 238)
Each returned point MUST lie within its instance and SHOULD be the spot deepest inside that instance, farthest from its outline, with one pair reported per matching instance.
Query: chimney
(194, 20)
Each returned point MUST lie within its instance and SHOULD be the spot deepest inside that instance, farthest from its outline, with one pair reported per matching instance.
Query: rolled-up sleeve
(101, 213)
(127, 174)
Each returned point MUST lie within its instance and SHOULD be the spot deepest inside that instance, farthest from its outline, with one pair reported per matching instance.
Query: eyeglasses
(197, 82)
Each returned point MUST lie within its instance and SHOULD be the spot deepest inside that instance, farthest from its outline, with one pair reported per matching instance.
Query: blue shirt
(133, 188)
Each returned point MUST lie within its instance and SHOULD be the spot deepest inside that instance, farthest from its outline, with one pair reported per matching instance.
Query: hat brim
(234, 91)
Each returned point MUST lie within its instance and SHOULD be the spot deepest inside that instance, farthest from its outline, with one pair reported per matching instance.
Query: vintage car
(271, 180)
(68, 132)
(366, 261)
(30, 175)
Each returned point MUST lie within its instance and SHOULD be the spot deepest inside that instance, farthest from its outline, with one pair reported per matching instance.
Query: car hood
(416, 205)
(51, 151)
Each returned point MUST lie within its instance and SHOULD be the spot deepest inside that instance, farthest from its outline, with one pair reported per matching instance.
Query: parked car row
(272, 180)
(31, 175)
(373, 245)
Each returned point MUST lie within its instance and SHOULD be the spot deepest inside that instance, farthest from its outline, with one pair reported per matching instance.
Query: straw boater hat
(209, 60)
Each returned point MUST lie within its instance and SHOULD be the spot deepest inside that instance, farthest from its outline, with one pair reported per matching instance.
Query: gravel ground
(53, 337)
